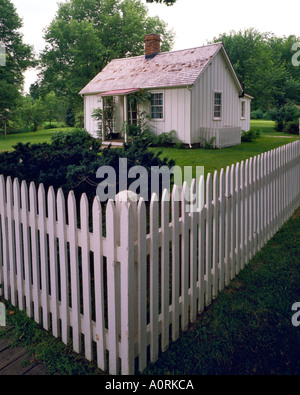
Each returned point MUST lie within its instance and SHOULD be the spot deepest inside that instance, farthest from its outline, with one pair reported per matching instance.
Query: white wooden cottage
(195, 92)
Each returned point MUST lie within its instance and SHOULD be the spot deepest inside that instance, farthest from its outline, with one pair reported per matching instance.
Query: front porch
(114, 142)
(116, 118)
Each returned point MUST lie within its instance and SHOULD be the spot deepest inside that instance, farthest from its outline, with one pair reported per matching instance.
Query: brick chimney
(152, 45)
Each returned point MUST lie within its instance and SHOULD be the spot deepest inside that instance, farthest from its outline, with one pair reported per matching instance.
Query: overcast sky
(194, 21)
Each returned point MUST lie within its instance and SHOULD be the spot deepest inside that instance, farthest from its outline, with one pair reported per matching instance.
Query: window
(243, 113)
(218, 105)
(157, 107)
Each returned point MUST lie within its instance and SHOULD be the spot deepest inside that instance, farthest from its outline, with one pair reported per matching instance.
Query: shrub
(207, 144)
(257, 114)
(292, 127)
(50, 126)
(250, 135)
(282, 116)
(165, 139)
(71, 161)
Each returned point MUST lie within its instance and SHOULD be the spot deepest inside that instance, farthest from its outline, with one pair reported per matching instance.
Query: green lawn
(267, 127)
(247, 330)
(264, 126)
(40, 136)
(215, 159)
(211, 159)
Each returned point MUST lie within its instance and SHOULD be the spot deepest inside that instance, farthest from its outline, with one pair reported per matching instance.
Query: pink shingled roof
(166, 69)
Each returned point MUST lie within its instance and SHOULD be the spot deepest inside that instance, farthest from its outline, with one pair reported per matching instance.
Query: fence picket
(34, 252)
(264, 199)
(1, 258)
(142, 285)
(99, 284)
(43, 256)
(254, 205)
(165, 271)
(246, 212)
(63, 266)
(175, 263)
(112, 292)
(18, 243)
(237, 219)
(215, 235)
(227, 268)
(232, 224)
(53, 266)
(74, 272)
(250, 209)
(193, 251)
(185, 225)
(201, 238)
(11, 240)
(221, 230)
(242, 191)
(127, 233)
(154, 270)
(208, 260)
(86, 277)
(5, 273)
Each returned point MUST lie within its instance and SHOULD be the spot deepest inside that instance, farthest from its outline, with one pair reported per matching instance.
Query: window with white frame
(157, 105)
(243, 109)
(218, 105)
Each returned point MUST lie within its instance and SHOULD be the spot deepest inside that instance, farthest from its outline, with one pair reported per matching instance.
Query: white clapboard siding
(124, 283)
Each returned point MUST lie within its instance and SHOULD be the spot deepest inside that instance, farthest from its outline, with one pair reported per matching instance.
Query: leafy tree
(254, 64)
(19, 57)
(53, 107)
(86, 34)
(282, 53)
(31, 113)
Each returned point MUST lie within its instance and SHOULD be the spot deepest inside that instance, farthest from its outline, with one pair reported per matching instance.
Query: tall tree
(254, 63)
(86, 34)
(282, 53)
(18, 58)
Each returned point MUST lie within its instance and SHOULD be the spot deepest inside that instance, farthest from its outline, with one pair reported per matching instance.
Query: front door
(132, 110)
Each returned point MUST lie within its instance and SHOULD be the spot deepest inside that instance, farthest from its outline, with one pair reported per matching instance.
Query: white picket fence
(117, 294)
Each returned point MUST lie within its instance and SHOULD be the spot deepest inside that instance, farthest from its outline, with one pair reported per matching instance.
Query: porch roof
(119, 92)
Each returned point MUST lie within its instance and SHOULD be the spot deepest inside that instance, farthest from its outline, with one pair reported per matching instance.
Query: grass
(211, 159)
(246, 330)
(264, 126)
(216, 159)
(267, 128)
(40, 136)
(220, 158)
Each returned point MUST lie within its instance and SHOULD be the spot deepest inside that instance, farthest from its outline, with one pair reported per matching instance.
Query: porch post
(125, 118)
(103, 120)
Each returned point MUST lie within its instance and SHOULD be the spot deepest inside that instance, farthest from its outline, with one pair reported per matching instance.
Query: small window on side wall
(218, 105)
(157, 106)
(243, 109)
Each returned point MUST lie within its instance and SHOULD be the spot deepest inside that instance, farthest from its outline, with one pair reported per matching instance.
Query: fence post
(4, 269)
